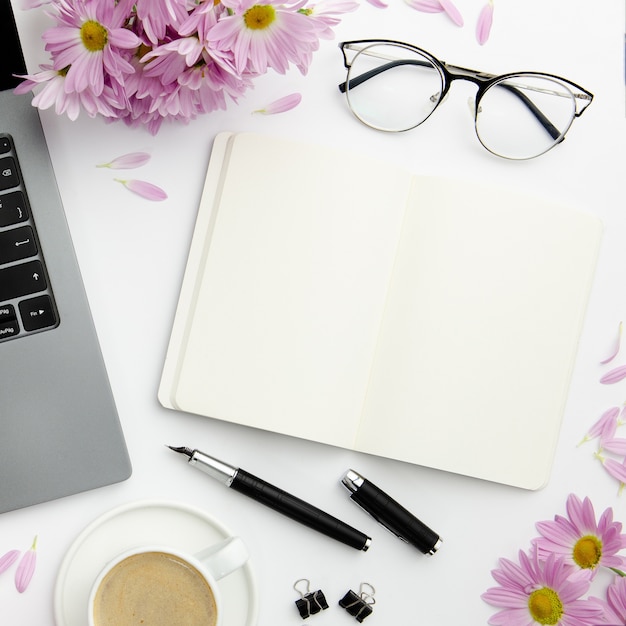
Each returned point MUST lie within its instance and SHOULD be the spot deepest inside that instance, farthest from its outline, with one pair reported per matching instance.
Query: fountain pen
(275, 498)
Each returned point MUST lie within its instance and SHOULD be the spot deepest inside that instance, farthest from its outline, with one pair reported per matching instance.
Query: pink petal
(608, 431)
(144, 189)
(617, 346)
(615, 469)
(27, 5)
(485, 20)
(617, 445)
(614, 376)
(8, 559)
(426, 6)
(379, 4)
(282, 104)
(127, 161)
(605, 426)
(26, 568)
(452, 12)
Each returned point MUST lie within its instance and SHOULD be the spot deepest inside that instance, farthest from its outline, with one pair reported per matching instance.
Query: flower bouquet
(144, 61)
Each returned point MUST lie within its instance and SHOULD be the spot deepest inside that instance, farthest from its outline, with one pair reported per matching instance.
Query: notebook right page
(480, 332)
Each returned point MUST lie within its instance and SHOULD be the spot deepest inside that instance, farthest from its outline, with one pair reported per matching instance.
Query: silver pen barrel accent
(352, 481)
(215, 468)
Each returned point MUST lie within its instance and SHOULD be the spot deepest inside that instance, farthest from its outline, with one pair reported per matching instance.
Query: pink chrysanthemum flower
(614, 608)
(581, 540)
(54, 93)
(90, 40)
(265, 34)
(540, 592)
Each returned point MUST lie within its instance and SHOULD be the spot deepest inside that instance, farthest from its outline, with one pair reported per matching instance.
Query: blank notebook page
(292, 292)
(480, 332)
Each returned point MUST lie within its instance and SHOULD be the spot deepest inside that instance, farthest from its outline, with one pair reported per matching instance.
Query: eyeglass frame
(449, 73)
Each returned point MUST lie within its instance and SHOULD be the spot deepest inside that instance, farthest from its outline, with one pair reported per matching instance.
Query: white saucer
(145, 522)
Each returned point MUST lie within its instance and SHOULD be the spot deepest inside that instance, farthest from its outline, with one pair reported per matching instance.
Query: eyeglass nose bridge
(456, 72)
(480, 79)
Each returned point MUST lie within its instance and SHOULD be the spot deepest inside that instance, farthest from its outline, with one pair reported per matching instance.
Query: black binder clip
(311, 602)
(359, 606)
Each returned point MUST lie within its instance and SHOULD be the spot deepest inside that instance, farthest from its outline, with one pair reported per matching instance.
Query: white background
(132, 254)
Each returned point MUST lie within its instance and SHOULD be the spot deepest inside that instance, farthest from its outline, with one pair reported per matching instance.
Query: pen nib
(182, 450)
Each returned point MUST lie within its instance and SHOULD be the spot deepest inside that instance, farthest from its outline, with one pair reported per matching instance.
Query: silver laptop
(59, 429)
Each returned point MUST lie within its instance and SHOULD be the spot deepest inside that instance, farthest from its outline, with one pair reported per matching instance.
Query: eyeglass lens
(393, 87)
(401, 87)
(524, 116)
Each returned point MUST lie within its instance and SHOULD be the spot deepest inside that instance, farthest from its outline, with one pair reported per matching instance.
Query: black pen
(392, 515)
(276, 498)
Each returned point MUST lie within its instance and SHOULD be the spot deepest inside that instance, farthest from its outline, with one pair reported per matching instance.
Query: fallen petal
(8, 559)
(617, 346)
(379, 4)
(604, 425)
(452, 12)
(144, 189)
(26, 568)
(616, 445)
(614, 376)
(127, 161)
(608, 431)
(27, 5)
(615, 469)
(426, 6)
(485, 21)
(281, 105)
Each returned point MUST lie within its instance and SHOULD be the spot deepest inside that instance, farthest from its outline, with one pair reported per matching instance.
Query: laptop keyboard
(26, 300)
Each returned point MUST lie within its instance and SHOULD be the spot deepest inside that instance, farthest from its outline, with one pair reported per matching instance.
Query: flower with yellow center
(91, 41)
(584, 542)
(265, 34)
(538, 591)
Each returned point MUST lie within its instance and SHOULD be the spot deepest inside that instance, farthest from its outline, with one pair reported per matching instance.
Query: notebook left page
(283, 297)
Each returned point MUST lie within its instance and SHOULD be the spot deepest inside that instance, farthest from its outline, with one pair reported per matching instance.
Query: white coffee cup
(163, 585)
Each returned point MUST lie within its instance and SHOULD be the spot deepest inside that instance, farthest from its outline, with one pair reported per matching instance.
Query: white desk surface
(132, 253)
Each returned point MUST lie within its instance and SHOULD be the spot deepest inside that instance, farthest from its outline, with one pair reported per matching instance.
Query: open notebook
(337, 298)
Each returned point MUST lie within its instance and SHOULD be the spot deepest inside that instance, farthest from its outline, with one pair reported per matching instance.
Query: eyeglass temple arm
(359, 80)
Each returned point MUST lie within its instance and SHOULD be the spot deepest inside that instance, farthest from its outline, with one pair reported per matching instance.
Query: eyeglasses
(393, 86)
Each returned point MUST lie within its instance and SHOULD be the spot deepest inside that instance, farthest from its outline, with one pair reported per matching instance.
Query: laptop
(59, 428)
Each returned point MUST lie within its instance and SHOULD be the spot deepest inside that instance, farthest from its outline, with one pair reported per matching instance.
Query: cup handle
(224, 557)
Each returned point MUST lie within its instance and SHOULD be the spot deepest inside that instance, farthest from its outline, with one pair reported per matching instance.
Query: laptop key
(37, 313)
(8, 174)
(17, 244)
(8, 321)
(12, 208)
(21, 280)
